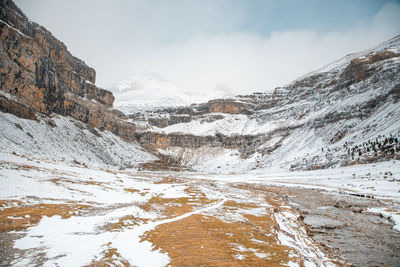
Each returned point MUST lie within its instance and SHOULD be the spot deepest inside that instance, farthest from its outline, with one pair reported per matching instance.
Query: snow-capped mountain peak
(153, 91)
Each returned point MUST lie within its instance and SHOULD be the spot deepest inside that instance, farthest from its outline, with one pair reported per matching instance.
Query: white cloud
(199, 44)
(246, 62)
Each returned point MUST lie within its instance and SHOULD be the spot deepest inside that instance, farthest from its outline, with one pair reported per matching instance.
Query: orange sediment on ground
(124, 222)
(172, 207)
(208, 241)
(61, 181)
(213, 240)
(132, 190)
(168, 180)
(21, 217)
(243, 205)
(109, 257)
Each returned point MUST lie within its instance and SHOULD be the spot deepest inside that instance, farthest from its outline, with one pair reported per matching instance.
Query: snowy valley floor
(55, 213)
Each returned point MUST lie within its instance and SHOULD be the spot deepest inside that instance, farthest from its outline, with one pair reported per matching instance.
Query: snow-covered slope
(144, 92)
(66, 139)
(345, 113)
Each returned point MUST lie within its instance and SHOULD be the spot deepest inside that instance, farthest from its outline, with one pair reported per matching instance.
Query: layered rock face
(346, 113)
(337, 115)
(39, 73)
(244, 143)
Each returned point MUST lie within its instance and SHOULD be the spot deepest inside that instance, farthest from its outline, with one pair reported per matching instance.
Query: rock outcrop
(325, 118)
(40, 73)
(244, 143)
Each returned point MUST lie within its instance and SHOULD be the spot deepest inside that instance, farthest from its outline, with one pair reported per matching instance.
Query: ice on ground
(293, 236)
(393, 215)
(365, 179)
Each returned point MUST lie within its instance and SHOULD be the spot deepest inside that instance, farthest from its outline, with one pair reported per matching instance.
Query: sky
(243, 46)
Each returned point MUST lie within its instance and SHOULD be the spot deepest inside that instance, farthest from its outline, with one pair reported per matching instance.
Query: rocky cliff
(345, 113)
(38, 73)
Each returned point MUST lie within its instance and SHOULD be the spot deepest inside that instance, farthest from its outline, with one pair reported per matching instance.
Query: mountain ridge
(319, 120)
(256, 180)
(363, 87)
(151, 91)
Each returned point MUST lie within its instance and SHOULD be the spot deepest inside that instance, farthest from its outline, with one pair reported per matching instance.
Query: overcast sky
(244, 45)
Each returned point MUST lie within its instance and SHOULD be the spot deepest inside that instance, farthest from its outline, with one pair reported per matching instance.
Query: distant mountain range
(149, 91)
